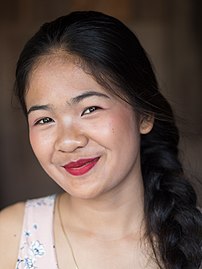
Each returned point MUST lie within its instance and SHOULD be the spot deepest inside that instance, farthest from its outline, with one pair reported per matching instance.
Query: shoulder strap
(37, 248)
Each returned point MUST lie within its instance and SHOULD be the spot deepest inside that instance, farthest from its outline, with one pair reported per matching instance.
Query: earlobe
(146, 124)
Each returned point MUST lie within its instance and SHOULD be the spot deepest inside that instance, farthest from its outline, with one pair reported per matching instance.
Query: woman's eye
(89, 110)
(44, 121)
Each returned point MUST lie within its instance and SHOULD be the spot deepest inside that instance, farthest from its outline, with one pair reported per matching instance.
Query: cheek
(124, 127)
(119, 130)
(35, 144)
(40, 144)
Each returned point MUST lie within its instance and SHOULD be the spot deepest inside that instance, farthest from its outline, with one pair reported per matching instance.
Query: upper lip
(80, 162)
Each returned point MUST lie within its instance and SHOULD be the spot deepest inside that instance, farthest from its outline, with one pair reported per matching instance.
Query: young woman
(102, 130)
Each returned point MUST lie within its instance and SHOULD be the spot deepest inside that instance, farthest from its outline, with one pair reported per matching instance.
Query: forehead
(55, 66)
(62, 70)
(58, 58)
(54, 76)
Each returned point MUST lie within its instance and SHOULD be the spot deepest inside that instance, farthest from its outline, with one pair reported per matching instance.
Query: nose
(69, 139)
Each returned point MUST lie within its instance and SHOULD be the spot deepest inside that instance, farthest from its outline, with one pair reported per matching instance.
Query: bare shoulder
(11, 220)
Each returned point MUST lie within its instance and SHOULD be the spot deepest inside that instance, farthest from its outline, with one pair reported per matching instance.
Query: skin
(72, 117)
(11, 219)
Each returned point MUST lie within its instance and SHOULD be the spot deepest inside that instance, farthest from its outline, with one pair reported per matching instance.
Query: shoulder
(11, 221)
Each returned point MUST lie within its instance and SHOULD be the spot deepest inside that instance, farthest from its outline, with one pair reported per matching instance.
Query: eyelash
(91, 109)
(43, 121)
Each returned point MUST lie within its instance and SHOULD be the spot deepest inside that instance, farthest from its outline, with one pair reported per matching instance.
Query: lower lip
(79, 171)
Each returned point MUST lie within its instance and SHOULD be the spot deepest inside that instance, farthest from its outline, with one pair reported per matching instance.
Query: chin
(83, 194)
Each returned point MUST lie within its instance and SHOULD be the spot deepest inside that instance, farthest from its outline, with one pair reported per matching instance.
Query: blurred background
(171, 33)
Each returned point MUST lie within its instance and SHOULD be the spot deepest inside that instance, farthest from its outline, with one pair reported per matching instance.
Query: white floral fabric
(37, 249)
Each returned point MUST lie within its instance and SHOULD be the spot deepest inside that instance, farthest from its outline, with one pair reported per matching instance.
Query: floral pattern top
(37, 250)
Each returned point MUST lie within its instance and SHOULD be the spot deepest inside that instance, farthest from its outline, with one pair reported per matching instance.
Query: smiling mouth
(81, 166)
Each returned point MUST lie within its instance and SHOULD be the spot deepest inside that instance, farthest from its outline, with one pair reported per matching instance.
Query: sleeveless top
(37, 250)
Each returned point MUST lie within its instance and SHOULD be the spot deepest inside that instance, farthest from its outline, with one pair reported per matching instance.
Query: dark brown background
(170, 31)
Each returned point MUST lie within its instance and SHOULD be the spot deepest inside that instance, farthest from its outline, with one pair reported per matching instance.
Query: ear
(146, 123)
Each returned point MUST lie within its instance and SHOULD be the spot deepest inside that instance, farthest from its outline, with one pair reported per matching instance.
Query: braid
(174, 224)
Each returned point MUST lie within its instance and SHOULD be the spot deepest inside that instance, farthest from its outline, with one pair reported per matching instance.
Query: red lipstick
(81, 166)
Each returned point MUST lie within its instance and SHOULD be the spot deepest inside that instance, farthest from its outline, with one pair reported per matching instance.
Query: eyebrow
(74, 100)
(38, 107)
(79, 98)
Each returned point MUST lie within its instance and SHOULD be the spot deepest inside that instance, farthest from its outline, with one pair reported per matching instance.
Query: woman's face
(86, 139)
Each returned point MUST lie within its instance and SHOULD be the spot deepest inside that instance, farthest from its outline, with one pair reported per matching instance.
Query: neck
(121, 212)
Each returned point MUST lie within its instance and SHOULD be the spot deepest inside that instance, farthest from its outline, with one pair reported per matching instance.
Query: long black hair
(113, 55)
